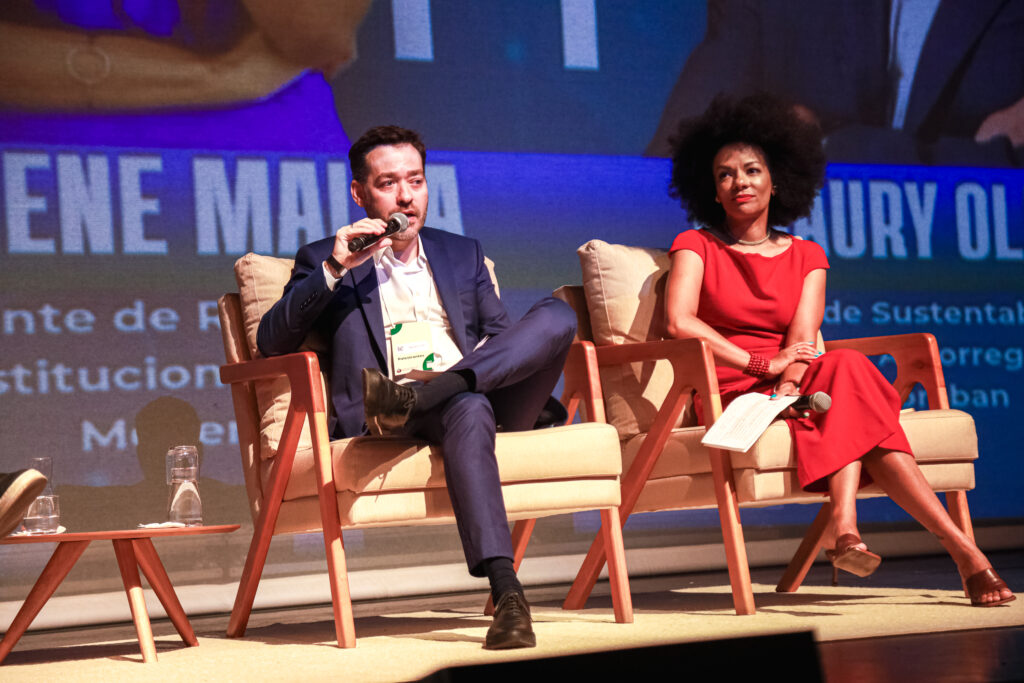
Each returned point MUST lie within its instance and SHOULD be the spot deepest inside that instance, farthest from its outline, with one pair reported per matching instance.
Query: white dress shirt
(408, 294)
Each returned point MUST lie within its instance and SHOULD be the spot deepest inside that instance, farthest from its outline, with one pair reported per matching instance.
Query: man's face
(395, 182)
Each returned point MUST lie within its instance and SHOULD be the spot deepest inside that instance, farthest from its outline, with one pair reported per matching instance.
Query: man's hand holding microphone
(352, 243)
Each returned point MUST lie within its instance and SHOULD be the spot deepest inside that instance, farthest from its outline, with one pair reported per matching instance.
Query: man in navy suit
(422, 299)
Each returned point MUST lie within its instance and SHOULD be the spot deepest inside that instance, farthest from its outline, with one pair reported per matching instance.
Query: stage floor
(907, 622)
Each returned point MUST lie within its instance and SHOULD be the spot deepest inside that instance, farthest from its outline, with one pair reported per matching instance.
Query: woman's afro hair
(792, 147)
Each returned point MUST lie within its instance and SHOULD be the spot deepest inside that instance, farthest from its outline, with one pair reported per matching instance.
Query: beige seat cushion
(386, 464)
(934, 435)
(756, 488)
(394, 480)
(944, 442)
(523, 500)
(625, 290)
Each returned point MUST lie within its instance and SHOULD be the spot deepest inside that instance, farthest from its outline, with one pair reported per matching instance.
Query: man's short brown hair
(377, 137)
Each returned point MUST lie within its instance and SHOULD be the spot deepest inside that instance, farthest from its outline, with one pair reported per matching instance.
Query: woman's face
(743, 184)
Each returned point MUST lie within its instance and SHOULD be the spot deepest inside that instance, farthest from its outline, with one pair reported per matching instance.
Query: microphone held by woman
(819, 402)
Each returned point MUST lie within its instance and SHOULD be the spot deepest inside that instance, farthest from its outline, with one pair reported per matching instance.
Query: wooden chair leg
(618, 577)
(128, 564)
(341, 596)
(586, 577)
(956, 501)
(334, 544)
(632, 485)
(732, 534)
(154, 571)
(521, 532)
(61, 562)
(805, 554)
(263, 530)
(253, 569)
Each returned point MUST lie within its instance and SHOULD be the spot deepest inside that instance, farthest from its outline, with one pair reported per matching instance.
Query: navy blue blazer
(349, 318)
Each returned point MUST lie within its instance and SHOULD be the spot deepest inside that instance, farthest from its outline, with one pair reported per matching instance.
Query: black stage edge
(755, 657)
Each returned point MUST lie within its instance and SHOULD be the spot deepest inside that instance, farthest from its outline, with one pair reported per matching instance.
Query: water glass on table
(43, 515)
(183, 503)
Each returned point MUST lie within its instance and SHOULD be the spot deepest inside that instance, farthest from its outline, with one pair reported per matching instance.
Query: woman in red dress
(758, 296)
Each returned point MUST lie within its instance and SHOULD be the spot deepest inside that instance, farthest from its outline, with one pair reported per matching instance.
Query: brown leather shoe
(512, 626)
(386, 404)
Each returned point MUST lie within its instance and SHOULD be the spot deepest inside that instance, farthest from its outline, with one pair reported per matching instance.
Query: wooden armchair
(622, 371)
(298, 480)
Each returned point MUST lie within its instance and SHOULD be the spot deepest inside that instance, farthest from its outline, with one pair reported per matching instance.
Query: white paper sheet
(745, 420)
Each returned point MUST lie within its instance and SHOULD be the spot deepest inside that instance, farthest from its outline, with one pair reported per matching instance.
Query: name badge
(412, 347)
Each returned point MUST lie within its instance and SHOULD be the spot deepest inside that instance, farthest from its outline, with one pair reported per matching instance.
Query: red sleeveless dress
(750, 300)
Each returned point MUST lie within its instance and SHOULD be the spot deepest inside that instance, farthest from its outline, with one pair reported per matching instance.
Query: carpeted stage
(865, 630)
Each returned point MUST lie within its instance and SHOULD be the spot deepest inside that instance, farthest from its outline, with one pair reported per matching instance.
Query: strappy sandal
(986, 581)
(848, 557)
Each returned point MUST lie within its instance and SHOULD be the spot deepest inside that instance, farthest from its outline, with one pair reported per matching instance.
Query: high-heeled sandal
(848, 557)
(986, 581)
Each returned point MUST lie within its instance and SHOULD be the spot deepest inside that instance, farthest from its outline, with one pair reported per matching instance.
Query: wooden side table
(134, 550)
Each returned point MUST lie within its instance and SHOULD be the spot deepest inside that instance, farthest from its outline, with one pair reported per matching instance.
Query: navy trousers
(516, 371)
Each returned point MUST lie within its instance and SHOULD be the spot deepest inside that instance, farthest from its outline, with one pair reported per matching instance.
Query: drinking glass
(183, 502)
(43, 515)
(182, 462)
(44, 465)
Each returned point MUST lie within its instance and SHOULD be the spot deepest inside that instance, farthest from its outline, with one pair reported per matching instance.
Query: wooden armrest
(306, 401)
(582, 384)
(918, 342)
(690, 351)
(302, 370)
(693, 367)
(917, 361)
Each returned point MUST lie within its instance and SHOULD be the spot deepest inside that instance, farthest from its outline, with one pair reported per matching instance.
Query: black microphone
(819, 402)
(396, 223)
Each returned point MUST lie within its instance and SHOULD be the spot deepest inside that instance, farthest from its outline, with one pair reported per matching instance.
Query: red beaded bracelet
(758, 366)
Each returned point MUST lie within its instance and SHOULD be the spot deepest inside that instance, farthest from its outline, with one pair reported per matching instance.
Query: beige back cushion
(625, 290)
(261, 281)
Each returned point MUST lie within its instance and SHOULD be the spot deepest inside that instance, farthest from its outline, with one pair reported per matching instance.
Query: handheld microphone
(396, 223)
(819, 402)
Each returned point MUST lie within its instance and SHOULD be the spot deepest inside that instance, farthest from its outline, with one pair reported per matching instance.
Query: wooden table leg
(155, 573)
(127, 562)
(61, 562)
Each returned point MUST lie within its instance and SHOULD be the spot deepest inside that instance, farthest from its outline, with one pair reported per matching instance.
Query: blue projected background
(157, 144)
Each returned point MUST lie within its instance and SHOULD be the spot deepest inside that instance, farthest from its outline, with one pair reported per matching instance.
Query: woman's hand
(801, 351)
(788, 387)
